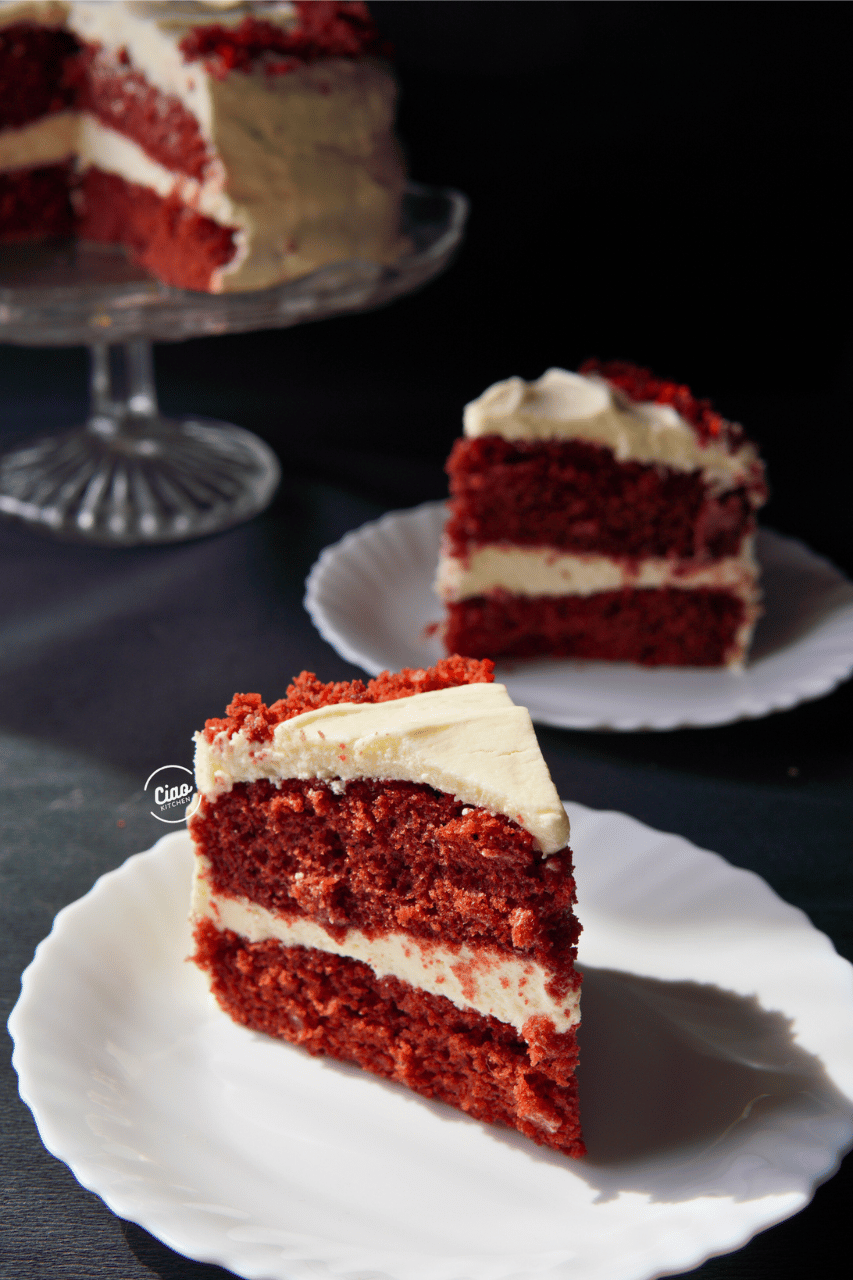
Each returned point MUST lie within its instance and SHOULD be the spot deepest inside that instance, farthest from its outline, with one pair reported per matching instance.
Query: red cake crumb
(181, 247)
(325, 30)
(248, 712)
(663, 627)
(32, 72)
(336, 1006)
(385, 856)
(35, 204)
(641, 384)
(575, 496)
(124, 100)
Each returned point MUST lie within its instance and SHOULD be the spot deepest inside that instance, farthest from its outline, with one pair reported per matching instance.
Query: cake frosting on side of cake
(229, 146)
(606, 514)
(383, 875)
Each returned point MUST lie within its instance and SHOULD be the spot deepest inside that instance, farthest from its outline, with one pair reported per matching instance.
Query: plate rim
(159, 1219)
(832, 674)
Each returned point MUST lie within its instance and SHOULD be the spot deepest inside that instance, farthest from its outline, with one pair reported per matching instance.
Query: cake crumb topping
(249, 713)
(641, 384)
(325, 30)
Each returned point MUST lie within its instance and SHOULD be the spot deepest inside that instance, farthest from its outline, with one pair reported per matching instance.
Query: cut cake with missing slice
(228, 146)
(383, 876)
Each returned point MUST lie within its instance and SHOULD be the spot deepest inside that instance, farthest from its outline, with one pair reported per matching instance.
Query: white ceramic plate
(715, 1091)
(371, 597)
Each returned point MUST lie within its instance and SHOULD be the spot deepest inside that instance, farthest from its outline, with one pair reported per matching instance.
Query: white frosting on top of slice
(470, 741)
(569, 406)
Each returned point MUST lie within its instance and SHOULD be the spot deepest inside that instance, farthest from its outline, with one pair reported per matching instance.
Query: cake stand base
(169, 482)
(131, 477)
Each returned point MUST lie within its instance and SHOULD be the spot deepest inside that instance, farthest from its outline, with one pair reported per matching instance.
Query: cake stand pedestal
(129, 476)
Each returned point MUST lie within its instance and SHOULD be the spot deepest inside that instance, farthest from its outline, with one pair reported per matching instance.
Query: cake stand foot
(131, 477)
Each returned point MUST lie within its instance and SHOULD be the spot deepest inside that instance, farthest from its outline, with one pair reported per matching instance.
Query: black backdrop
(660, 182)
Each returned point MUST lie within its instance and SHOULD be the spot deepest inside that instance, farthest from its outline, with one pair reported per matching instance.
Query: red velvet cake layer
(393, 856)
(35, 204)
(181, 247)
(32, 72)
(575, 496)
(668, 626)
(338, 1007)
(124, 100)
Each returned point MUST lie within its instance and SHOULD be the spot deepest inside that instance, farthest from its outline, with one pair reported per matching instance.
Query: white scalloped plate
(370, 596)
(715, 1092)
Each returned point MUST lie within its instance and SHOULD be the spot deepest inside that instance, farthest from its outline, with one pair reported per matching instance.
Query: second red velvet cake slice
(603, 514)
(383, 876)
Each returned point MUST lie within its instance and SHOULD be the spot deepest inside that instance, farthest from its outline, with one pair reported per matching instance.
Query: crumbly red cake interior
(662, 627)
(577, 497)
(389, 856)
(178, 245)
(35, 204)
(33, 80)
(124, 100)
(336, 1006)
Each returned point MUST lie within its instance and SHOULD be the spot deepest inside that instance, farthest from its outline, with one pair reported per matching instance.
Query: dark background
(665, 183)
(660, 182)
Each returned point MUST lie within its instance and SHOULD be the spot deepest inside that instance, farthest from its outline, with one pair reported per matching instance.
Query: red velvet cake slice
(607, 514)
(383, 876)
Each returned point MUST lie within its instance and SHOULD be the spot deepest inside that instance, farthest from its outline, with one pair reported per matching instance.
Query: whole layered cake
(383, 876)
(603, 514)
(228, 145)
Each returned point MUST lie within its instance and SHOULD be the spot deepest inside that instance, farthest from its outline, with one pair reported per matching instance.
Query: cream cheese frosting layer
(487, 981)
(542, 571)
(569, 406)
(151, 34)
(306, 169)
(42, 13)
(470, 741)
(106, 149)
(312, 168)
(49, 140)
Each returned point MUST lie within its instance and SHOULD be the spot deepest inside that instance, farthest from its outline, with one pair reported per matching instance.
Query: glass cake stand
(129, 476)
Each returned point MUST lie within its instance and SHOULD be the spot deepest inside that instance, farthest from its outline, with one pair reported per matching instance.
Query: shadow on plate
(687, 1089)
(162, 1261)
(800, 592)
